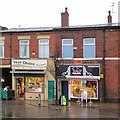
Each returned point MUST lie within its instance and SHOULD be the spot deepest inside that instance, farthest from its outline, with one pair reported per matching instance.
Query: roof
(28, 29)
(43, 29)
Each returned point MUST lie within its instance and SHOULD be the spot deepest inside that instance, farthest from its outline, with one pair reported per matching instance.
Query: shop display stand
(78, 99)
(84, 96)
(90, 102)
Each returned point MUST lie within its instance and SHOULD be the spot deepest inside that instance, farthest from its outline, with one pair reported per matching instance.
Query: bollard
(39, 99)
(61, 100)
(64, 100)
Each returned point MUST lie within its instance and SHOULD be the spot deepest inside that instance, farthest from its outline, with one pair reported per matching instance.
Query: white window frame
(67, 45)
(28, 48)
(3, 47)
(89, 44)
(46, 43)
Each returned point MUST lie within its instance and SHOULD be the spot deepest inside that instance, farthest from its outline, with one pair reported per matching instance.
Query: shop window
(89, 48)
(34, 84)
(44, 48)
(67, 48)
(1, 48)
(78, 86)
(24, 48)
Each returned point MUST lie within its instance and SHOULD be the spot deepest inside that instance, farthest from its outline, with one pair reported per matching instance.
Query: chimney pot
(109, 17)
(66, 9)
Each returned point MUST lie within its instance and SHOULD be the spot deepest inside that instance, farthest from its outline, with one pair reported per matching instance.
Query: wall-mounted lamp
(33, 53)
(74, 48)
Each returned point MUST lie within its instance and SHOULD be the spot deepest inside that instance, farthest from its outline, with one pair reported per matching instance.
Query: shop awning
(83, 77)
(28, 71)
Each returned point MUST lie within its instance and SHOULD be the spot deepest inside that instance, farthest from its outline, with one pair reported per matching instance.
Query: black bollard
(39, 99)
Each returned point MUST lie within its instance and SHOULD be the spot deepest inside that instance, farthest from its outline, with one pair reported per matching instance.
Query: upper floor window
(89, 48)
(44, 48)
(24, 48)
(67, 48)
(1, 48)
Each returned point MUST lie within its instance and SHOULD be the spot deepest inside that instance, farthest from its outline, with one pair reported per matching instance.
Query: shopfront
(80, 78)
(28, 78)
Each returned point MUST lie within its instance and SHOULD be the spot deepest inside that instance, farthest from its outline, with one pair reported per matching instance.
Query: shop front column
(13, 82)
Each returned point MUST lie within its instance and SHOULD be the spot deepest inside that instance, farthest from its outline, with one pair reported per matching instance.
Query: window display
(78, 86)
(34, 84)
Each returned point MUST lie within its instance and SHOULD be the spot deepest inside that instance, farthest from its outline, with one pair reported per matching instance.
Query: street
(21, 109)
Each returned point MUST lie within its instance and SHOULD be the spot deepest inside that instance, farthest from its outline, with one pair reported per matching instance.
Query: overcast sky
(47, 13)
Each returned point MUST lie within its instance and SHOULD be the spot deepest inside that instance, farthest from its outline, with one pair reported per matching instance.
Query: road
(21, 109)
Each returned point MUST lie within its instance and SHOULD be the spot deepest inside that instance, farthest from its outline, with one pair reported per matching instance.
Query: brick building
(67, 60)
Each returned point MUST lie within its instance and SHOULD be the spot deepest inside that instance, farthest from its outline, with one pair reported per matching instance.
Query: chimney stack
(109, 17)
(65, 18)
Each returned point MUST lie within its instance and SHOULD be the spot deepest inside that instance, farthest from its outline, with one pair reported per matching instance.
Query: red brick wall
(111, 42)
(15, 46)
(111, 79)
(77, 37)
(6, 61)
(33, 45)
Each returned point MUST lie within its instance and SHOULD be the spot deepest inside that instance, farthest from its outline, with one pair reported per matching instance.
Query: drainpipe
(56, 81)
(11, 62)
(11, 50)
(104, 70)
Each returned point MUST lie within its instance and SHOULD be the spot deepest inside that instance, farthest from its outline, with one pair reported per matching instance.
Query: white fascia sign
(29, 64)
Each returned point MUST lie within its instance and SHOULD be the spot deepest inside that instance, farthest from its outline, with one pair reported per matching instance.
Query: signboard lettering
(29, 64)
(81, 71)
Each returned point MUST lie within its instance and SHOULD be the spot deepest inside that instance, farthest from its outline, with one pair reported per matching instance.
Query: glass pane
(89, 51)
(89, 41)
(41, 51)
(34, 84)
(1, 51)
(44, 51)
(77, 87)
(67, 52)
(44, 41)
(1, 42)
(67, 41)
(24, 51)
(24, 42)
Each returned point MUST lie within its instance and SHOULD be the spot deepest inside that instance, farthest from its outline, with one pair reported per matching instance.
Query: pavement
(71, 104)
(49, 109)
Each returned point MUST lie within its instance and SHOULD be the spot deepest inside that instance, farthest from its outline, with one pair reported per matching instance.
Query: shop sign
(29, 64)
(101, 75)
(76, 62)
(81, 71)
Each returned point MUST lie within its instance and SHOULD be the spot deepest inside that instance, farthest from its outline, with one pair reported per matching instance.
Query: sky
(47, 13)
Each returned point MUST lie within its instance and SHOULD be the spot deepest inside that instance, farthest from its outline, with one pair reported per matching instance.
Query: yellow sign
(101, 75)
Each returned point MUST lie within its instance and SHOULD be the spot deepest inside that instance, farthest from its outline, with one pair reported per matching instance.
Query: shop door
(50, 90)
(65, 88)
(20, 87)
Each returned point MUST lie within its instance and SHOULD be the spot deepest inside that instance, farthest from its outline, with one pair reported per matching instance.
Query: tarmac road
(23, 109)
